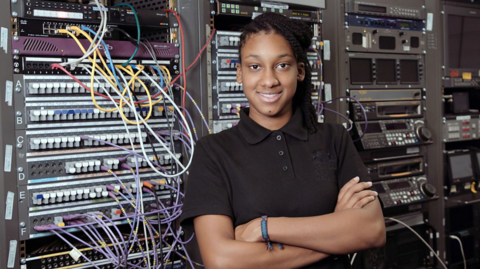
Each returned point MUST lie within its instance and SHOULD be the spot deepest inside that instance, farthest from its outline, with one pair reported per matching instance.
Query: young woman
(279, 162)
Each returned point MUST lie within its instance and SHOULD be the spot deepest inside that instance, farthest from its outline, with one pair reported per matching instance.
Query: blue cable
(107, 54)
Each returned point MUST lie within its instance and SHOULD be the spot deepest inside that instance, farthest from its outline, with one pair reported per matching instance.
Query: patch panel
(40, 142)
(79, 191)
(227, 39)
(62, 166)
(219, 126)
(228, 62)
(57, 255)
(58, 142)
(85, 113)
(60, 112)
(103, 207)
(85, 193)
(229, 84)
(41, 65)
(229, 108)
(60, 85)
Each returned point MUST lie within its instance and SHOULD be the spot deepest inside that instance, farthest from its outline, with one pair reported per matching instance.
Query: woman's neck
(271, 122)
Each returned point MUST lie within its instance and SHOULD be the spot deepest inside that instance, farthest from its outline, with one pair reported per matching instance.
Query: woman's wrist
(272, 231)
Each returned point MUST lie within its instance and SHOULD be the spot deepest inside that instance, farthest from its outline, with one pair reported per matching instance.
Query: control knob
(423, 133)
(428, 189)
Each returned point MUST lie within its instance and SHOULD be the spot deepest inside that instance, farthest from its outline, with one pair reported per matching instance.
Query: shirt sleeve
(350, 164)
(207, 191)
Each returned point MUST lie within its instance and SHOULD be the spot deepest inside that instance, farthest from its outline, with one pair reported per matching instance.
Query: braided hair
(299, 36)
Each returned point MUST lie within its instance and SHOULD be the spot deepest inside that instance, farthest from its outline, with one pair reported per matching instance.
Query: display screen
(368, 8)
(463, 42)
(361, 71)
(409, 72)
(461, 166)
(404, 24)
(386, 71)
(396, 126)
(398, 185)
(371, 128)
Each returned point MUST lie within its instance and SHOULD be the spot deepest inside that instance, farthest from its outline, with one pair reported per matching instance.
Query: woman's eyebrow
(279, 56)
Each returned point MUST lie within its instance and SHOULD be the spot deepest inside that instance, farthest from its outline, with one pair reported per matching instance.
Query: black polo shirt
(248, 171)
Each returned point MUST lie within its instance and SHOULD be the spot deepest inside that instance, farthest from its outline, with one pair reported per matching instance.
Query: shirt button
(279, 137)
(285, 168)
(280, 153)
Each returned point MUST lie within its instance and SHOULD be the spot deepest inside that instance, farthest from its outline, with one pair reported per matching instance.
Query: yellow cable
(63, 31)
(87, 36)
(78, 30)
(148, 94)
(93, 71)
(472, 187)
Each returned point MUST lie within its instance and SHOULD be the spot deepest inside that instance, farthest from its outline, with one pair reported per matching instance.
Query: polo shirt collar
(255, 133)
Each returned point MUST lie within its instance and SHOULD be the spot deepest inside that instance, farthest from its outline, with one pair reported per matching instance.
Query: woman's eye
(254, 67)
(283, 65)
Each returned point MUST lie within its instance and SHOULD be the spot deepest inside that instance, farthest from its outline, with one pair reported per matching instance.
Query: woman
(279, 162)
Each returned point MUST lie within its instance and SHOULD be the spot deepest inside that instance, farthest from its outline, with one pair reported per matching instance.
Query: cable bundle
(141, 206)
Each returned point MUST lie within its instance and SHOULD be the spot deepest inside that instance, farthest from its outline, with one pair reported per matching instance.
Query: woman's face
(269, 73)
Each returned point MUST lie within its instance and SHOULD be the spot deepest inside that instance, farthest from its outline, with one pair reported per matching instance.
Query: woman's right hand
(354, 195)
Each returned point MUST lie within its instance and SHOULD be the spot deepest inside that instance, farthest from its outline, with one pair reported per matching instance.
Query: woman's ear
(301, 71)
(239, 73)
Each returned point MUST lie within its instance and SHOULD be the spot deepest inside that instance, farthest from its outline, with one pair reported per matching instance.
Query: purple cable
(109, 255)
(196, 106)
(71, 246)
(191, 122)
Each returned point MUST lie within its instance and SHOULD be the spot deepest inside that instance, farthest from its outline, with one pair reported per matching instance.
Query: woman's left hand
(250, 231)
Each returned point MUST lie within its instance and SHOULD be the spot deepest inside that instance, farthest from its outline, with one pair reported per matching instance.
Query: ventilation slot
(39, 46)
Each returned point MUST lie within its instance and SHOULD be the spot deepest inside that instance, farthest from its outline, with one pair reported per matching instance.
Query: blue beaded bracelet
(265, 237)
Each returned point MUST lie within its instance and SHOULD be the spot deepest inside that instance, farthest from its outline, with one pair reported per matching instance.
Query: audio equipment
(392, 133)
(461, 53)
(383, 71)
(239, 8)
(387, 110)
(459, 128)
(386, 95)
(402, 191)
(393, 169)
(386, 35)
(400, 9)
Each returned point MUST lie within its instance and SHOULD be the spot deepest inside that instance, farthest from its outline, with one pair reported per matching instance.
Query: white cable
(114, 103)
(461, 249)
(420, 237)
(149, 128)
(180, 113)
(158, 139)
(353, 258)
(102, 28)
(139, 188)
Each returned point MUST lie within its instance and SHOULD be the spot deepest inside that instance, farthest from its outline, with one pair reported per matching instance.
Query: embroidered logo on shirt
(325, 165)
